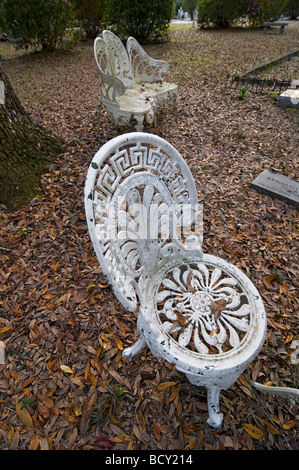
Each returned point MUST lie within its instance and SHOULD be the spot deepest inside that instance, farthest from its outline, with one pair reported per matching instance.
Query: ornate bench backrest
(131, 63)
(120, 63)
(138, 190)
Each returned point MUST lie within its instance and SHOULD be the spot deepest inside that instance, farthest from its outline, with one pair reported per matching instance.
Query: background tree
(272, 9)
(38, 22)
(26, 150)
(146, 20)
(90, 15)
(177, 5)
(2, 17)
(292, 8)
(224, 14)
(190, 6)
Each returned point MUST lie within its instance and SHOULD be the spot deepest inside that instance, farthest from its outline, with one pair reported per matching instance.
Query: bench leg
(173, 96)
(215, 417)
(213, 395)
(132, 351)
(139, 122)
(99, 105)
(281, 30)
(265, 29)
(2, 353)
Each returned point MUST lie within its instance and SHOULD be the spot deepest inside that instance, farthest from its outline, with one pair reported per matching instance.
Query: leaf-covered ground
(64, 384)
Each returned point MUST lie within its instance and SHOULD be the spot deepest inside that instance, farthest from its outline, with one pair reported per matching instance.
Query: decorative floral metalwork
(203, 309)
(143, 228)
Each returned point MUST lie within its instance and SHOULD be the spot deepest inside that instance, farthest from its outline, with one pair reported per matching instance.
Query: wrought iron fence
(257, 85)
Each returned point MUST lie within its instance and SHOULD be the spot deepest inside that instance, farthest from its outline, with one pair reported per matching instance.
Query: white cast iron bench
(195, 310)
(132, 84)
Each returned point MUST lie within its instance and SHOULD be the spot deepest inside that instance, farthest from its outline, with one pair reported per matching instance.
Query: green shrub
(258, 11)
(38, 22)
(221, 14)
(90, 15)
(224, 14)
(254, 13)
(145, 20)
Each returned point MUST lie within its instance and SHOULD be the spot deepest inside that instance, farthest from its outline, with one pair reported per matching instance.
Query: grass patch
(187, 66)
(180, 27)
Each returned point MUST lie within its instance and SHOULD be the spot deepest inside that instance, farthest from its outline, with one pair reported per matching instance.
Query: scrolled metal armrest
(111, 86)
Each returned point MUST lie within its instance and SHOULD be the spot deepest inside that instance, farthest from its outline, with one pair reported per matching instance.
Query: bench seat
(161, 90)
(280, 24)
(133, 104)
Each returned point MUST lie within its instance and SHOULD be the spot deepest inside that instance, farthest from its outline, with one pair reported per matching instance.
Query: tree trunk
(26, 150)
